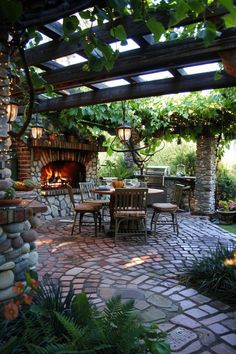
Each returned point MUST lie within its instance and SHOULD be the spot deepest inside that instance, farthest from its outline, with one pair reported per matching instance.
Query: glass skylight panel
(71, 59)
(131, 45)
(198, 69)
(149, 38)
(156, 76)
(45, 39)
(116, 83)
(111, 83)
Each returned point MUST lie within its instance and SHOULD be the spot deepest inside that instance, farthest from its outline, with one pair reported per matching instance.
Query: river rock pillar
(205, 175)
(17, 234)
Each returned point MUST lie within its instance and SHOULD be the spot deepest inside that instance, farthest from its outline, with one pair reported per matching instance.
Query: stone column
(17, 236)
(5, 141)
(205, 175)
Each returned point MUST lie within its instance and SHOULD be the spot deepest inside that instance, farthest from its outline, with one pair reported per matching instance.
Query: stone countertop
(35, 206)
(192, 178)
(21, 212)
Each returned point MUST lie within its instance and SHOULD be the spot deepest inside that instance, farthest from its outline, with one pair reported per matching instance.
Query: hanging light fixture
(12, 111)
(124, 133)
(37, 129)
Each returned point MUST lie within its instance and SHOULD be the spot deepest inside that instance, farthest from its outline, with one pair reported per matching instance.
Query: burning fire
(53, 177)
(230, 261)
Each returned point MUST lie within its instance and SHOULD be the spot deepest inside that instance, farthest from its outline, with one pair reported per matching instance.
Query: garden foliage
(226, 184)
(215, 273)
(70, 324)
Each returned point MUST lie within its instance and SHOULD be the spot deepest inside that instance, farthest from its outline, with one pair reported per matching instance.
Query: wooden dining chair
(166, 213)
(130, 212)
(85, 208)
(89, 196)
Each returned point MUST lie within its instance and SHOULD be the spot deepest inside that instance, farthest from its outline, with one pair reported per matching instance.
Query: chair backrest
(71, 195)
(130, 199)
(178, 192)
(87, 191)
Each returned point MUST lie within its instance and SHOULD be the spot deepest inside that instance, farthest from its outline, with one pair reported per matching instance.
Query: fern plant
(54, 324)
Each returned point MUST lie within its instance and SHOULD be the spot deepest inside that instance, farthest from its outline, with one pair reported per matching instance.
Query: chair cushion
(131, 213)
(97, 201)
(168, 207)
(87, 207)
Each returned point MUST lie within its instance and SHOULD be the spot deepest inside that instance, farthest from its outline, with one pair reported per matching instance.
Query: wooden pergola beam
(142, 61)
(60, 48)
(147, 89)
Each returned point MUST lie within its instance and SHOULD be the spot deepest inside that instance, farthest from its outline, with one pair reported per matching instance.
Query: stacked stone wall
(17, 233)
(60, 205)
(17, 247)
(205, 175)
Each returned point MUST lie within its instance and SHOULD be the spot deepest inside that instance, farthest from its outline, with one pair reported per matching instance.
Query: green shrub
(211, 274)
(173, 155)
(10, 193)
(188, 159)
(116, 168)
(70, 324)
(226, 184)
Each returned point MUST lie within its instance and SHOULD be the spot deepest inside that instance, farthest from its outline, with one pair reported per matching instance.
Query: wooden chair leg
(145, 230)
(177, 225)
(173, 220)
(80, 221)
(155, 222)
(100, 220)
(152, 219)
(95, 217)
(74, 223)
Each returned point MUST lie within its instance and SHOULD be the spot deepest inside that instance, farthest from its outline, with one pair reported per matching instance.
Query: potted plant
(10, 197)
(121, 172)
(226, 211)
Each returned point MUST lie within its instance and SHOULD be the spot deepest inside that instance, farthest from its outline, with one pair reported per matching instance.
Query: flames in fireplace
(57, 174)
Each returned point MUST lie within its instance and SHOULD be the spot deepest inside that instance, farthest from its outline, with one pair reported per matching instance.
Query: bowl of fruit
(25, 185)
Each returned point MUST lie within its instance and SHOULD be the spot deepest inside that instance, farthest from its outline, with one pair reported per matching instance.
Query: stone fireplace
(59, 173)
(52, 164)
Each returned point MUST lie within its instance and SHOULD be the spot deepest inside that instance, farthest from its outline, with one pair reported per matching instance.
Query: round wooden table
(110, 192)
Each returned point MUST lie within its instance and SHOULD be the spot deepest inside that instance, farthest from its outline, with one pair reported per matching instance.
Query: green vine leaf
(196, 6)
(119, 33)
(230, 20)
(70, 25)
(181, 12)
(155, 27)
(209, 33)
(86, 15)
(228, 4)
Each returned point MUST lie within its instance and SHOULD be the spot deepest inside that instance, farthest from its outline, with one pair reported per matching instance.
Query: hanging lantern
(37, 131)
(124, 133)
(12, 111)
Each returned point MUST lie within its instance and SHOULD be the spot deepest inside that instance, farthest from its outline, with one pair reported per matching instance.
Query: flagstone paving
(147, 273)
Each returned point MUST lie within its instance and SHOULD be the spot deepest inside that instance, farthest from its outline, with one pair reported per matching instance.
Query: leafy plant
(226, 184)
(55, 323)
(10, 193)
(227, 205)
(116, 169)
(212, 275)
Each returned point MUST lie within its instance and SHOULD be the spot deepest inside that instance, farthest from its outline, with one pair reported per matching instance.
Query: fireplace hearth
(57, 174)
(53, 164)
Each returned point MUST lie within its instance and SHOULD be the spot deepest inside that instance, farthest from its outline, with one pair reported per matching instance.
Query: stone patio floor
(147, 273)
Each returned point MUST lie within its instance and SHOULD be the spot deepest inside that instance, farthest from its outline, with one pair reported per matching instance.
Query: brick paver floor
(147, 273)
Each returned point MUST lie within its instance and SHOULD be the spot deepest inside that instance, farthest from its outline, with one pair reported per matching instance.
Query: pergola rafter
(172, 56)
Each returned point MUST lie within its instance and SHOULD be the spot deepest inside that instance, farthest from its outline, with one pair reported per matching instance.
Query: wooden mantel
(57, 144)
